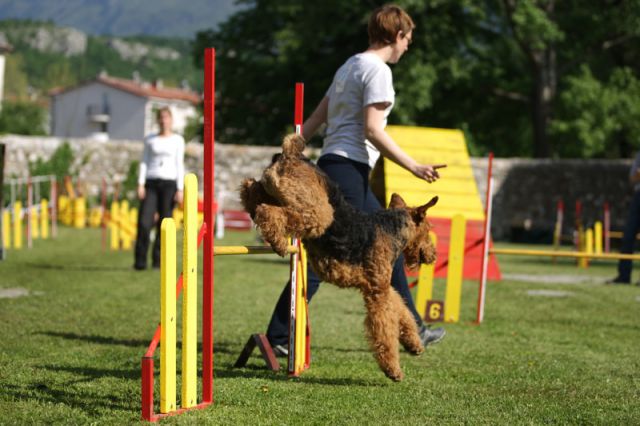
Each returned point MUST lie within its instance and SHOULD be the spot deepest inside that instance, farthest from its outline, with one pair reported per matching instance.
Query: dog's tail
(292, 146)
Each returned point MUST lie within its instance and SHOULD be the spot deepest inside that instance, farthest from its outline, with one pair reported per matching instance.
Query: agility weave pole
(299, 358)
(39, 217)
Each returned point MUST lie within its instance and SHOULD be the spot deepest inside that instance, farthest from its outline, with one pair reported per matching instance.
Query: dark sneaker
(139, 267)
(280, 351)
(431, 336)
(618, 280)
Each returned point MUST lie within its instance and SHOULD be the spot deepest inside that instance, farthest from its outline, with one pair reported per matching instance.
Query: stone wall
(525, 196)
(527, 191)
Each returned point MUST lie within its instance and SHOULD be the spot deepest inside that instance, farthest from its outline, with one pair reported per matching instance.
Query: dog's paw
(415, 351)
(280, 247)
(395, 375)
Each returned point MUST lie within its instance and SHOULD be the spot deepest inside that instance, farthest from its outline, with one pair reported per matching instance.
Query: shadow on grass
(66, 394)
(261, 372)
(94, 338)
(93, 268)
(220, 347)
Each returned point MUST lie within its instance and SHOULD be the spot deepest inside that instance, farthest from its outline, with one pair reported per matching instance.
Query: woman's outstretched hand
(428, 172)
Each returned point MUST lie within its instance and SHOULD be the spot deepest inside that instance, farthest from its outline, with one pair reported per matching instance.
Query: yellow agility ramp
(456, 189)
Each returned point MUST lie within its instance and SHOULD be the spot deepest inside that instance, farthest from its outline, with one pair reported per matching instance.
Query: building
(115, 108)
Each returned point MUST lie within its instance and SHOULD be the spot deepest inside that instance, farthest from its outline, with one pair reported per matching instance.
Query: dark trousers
(629, 237)
(353, 179)
(159, 196)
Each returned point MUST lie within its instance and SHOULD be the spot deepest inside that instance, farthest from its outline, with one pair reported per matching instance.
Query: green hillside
(46, 56)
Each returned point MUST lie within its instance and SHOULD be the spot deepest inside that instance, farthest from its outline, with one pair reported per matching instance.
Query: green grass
(70, 353)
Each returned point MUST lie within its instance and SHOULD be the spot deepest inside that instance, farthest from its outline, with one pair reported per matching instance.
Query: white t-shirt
(163, 158)
(363, 80)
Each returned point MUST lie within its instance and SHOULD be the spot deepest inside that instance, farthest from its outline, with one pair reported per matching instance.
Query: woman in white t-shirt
(355, 110)
(160, 185)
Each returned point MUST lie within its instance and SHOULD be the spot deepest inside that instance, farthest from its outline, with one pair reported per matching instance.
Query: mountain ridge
(124, 17)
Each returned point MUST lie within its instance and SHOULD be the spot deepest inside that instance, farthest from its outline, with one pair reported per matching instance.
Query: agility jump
(194, 238)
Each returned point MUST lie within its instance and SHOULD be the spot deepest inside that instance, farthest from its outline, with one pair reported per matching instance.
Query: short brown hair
(161, 110)
(386, 21)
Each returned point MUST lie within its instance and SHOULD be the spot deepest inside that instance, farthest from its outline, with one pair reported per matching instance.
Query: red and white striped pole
(485, 245)
(298, 117)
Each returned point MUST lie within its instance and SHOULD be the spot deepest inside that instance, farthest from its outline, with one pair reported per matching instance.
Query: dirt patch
(555, 279)
(12, 293)
(549, 293)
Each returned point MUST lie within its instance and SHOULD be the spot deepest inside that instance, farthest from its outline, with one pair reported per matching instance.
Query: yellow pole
(569, 254)
(582, 262)
(190, 292)
(44, 218)
(125, 235)
(597, 237)
(168, 316)
(588, 247)
(6, 229)
(233, 250)
(35, 229)
(178, 216)
(64, 209)
(425, 282)
(17, 225)
(79, 212)
(300, 314)
(113, 225)
(454, 272)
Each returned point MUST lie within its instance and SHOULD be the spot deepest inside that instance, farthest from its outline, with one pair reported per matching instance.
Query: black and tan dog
(345, 247)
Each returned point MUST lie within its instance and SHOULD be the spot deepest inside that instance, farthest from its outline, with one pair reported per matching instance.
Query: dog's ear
(397, 202)
(422, 210)
(292, 146)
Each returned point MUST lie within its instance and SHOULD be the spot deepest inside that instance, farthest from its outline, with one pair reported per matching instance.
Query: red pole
(298, 117)
(209, 201)
(607, 228)
(485, 245)
(147, 388)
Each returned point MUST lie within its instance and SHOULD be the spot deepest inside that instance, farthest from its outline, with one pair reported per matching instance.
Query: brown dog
(345, 247)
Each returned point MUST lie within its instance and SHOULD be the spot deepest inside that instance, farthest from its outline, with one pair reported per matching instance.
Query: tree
(507, 72)
(22, 118)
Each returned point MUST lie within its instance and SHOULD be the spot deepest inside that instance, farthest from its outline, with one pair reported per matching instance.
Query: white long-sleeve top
(163, 158)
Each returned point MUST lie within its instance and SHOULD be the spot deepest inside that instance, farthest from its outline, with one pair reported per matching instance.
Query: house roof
(143, 89)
